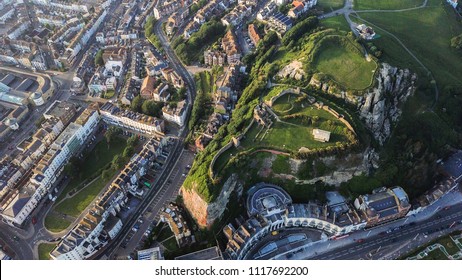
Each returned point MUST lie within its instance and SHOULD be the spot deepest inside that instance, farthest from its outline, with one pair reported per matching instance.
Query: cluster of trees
(373, 49)
(150, 34)
(119, 161)
(148, 107)
(266, 45)
(190, 50)
(456, 42)
(300, 29)
(301, 118)
(339, 148)
(99, 58)
(199, 110)
(196, 6)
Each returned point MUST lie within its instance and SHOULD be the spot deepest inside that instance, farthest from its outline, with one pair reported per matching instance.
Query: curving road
(165, 188)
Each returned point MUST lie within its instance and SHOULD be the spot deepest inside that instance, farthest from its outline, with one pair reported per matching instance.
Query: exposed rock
(346, 167)
(204, 213)
(380, 107)
(293, 70)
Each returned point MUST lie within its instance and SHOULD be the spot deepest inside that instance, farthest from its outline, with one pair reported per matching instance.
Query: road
(404, 239)
(168, 193)
(390, 242)
(165, 179)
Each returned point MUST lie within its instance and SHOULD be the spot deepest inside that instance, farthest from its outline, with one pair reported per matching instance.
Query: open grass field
(386, 4)
(346, 67)
(338, 22)
(44, 250)
(329, 5)
(427, 33)
(101, 155)
(75, 205)
(55, 222)
(290, 137)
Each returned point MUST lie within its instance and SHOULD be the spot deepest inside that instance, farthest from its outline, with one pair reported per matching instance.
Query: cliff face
(380, 108)
(205, 213)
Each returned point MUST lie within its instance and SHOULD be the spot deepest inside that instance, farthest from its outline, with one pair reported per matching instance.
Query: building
(114, 60)
(231, 46)
(150, 254)
(175, 114)
(366, 32)
(147, 87)
(62, 110)
(113, 115)
(173, 216)
(101, 223)
(383, 205)
(254, 35)
(270, 209)
(214, 58)
(18, 205)
(280, 22)
(321, 135)
(212, 253)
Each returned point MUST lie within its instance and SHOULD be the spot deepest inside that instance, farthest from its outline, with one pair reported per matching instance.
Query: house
(321, 135)
(161, 93)
(147, 87)
(176, 114)
(366, 32)
(214, 58)
(231, 46)
(254, 34)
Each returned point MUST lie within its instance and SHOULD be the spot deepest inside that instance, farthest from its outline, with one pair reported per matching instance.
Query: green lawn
(75, 205)
(94, 162)
(386, 4)
(450, 246)
(427, 33)
(288, 137)
(44, 250)
(55, 222)
(281, 165)
(96, 159)
(338, 22)
(348, 68)
(329, 5)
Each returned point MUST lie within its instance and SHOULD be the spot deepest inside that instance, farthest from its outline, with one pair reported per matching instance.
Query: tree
(136, 104)
(111, 133)
(106, 175)
(72, 169)
(99, 58)
(132, 141)
(128, 152)
(456, 42)
(152, 108)
(118, 162)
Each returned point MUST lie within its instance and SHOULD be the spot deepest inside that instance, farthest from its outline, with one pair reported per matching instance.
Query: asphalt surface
(164, 180)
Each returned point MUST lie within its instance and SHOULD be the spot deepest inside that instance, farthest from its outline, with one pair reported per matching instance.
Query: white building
(50, 166)
(177, 114)
(113, 115)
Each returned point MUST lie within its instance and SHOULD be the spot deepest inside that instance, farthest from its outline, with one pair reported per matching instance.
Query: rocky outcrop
(206, 213)
(345, 167)
(293, 70)
(380, 107)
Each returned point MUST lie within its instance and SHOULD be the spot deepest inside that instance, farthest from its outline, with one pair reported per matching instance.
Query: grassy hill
(413, 29)
(386, 4)
(346, 67)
